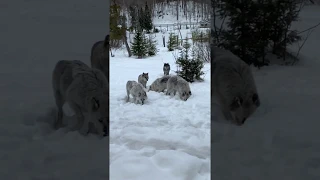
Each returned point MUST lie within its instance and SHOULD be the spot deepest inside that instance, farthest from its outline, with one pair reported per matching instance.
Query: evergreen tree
(190, 67)
(255, 25)
(172, 42)
(141, 19)
(139, 45)
(148, 26)
(116, 31)
(133, 18)
(152, 46)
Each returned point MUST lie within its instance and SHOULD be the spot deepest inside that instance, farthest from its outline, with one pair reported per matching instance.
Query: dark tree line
(252, 29)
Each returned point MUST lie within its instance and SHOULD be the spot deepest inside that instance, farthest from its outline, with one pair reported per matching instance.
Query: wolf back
(86, 91)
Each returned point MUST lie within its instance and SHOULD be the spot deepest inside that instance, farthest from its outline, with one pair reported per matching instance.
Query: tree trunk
(125, 40)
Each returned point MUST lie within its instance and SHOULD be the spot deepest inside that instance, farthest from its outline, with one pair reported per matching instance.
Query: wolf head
(185, 95)
(145, 75)
(242, 108)
(166, 66)
(142, 96)
(99, 112)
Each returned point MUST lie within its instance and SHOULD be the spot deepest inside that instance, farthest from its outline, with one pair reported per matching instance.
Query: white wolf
(100, 56)
(137, 91)
(160, 84)
(86, 91)
(233, 87)
(177, 83)
(143, 79)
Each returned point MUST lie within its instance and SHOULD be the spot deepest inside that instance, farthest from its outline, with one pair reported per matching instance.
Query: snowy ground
(281, 140)
(34, 36)
(166, 138)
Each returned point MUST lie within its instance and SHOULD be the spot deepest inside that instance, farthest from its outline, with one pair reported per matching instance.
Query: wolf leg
(99, 127)
(85, 126)
(81, 120)
(128, 96)
(59, 102)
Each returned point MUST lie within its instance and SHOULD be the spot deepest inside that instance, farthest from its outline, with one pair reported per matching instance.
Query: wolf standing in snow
(166, 68)
(86, 91)
(233, 87)
(100, 56)
(178, 84)
(137, 92)
(160, 84)
(143, 79)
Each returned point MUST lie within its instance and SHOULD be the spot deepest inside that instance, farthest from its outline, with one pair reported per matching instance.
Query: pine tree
(172, 42)
(133, 18)
(152, 46)
(255, 25)
(139, 45)
(141, 19)
(116, 31)
(190, 68)
(148, 26)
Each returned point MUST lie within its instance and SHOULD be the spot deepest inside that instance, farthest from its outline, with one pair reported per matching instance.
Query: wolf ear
(255, 99)
(95, 104)
(236, 103)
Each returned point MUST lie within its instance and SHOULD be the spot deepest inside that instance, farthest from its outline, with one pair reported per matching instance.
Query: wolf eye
(183, 94)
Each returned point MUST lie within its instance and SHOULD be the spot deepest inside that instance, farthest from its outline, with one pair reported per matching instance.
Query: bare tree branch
(309, 28)
(300, 47)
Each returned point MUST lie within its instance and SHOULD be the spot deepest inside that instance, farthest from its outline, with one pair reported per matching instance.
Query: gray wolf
(166, 68)
(137, 91)
(233, 87)
(86, 91)
(143, 79)
(100, 56)
(160, 84)
(178, 84)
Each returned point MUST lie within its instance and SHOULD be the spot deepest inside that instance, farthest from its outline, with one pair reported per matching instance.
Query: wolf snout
(240, 123)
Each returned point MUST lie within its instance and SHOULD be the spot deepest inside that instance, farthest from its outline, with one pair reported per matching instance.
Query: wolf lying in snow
(166, 68)
(137, 92)
(233, 87)
(85, 89)
(177, 83)
(143, 79)
(100, 56)
(160, 84)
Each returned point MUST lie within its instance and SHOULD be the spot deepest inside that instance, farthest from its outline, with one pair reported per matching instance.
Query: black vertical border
(211, 70)
(107, 48)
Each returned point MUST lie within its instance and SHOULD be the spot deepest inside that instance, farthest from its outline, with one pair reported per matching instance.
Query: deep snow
(34, 36)
(281, 140)
(165, 138)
